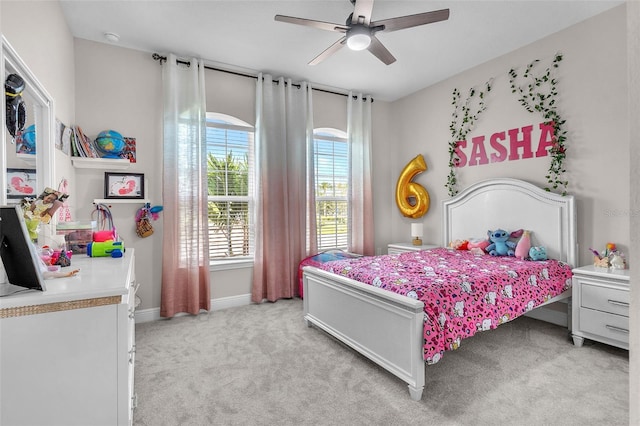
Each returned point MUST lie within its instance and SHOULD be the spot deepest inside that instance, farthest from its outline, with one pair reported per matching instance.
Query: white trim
(227, 264)
(153, 314)
(230, 302)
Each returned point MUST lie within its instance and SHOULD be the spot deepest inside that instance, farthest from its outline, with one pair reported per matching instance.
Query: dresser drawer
(611, 326)
(605, 299)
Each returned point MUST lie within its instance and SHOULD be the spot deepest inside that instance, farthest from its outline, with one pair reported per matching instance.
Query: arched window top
(219, 118)
(330, 133)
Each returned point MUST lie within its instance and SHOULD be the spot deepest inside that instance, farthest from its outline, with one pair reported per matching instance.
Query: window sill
(223, 265)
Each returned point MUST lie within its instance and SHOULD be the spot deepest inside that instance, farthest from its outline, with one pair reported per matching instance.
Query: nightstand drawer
(611, 326)
(605, 299)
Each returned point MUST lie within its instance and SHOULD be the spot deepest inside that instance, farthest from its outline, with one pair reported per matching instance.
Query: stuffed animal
(478, 243)
(523, 246)
(459, 244)
(500, 244)
(538, 253)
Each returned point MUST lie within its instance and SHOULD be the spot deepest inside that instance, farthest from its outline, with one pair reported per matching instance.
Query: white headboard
(512, 204)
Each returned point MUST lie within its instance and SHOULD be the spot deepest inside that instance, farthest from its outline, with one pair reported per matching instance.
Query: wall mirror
(27, 160)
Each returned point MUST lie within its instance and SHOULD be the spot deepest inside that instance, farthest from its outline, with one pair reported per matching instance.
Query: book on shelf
(84, 145)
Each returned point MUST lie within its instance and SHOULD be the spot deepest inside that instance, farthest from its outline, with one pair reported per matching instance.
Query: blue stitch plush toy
(500, 244)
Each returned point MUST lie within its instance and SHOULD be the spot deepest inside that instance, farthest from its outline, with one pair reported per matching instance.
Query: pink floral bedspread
(462, 293)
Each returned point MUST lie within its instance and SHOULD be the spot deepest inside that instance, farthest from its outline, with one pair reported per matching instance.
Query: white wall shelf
(100, 163)
(121, 201)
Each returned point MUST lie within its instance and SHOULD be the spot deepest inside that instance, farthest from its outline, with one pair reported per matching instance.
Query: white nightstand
(397, 248)
(600, 306)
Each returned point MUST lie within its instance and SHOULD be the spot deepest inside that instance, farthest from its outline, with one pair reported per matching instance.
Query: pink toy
(522, 249)
(102, 236)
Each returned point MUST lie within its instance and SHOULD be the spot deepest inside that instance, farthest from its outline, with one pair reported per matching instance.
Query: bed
(389, 328)
(317, 260)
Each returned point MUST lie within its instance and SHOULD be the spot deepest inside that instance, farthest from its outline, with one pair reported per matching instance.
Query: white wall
(39, 33)
(592, 89)
(121, 89)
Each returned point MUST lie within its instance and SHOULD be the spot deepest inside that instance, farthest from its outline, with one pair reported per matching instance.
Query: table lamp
(416, 233)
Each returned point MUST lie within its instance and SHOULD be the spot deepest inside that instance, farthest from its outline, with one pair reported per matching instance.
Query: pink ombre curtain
(185, 244)
(285, 203)
(360, 197)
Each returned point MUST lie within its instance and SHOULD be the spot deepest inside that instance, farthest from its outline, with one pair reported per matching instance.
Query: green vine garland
(463, 118)
(538, 94)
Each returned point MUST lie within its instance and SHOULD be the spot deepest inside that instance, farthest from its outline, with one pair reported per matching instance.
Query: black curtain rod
(163, 59)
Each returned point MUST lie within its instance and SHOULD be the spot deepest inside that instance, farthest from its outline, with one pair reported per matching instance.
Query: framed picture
(124, 185)
(21, 183)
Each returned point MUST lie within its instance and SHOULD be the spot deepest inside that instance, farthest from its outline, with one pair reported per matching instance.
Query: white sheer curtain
(185, 245)
(360, 199)
(284, 137)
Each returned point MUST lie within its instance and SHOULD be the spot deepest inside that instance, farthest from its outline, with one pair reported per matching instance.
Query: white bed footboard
(383, 326)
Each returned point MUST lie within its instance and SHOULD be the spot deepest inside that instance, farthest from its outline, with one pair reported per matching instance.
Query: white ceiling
(243, 36)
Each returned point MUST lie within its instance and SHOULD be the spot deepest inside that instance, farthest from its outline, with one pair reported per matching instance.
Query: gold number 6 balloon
(412, 199)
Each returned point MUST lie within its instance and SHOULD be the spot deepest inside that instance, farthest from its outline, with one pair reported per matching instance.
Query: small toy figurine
(617, 261)
(601, 262)
(63, 259)
(612, 257)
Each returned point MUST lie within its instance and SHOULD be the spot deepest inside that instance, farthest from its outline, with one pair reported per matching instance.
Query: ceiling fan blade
(329, 51)
(402, 22)
(380, 51)
(362, 12)
(328, 26)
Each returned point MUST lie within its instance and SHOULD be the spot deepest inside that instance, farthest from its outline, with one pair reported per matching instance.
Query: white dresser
(600, 306)
(67, 354)
(397, 248)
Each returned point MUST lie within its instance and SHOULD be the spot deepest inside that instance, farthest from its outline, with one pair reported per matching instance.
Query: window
(230, 171)
(332, 185)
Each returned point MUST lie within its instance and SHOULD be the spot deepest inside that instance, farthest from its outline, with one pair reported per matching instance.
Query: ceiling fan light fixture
(359, 31)
(358, 38)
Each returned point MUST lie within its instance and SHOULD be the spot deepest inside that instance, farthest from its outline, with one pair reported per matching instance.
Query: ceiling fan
(359, 31)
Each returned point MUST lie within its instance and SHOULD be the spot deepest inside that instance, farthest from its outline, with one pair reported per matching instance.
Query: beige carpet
(261, 365)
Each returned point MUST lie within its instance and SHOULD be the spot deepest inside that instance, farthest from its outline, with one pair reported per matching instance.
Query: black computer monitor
(18, 253)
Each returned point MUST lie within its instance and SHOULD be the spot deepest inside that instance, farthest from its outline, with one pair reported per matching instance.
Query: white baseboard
(153, 314)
